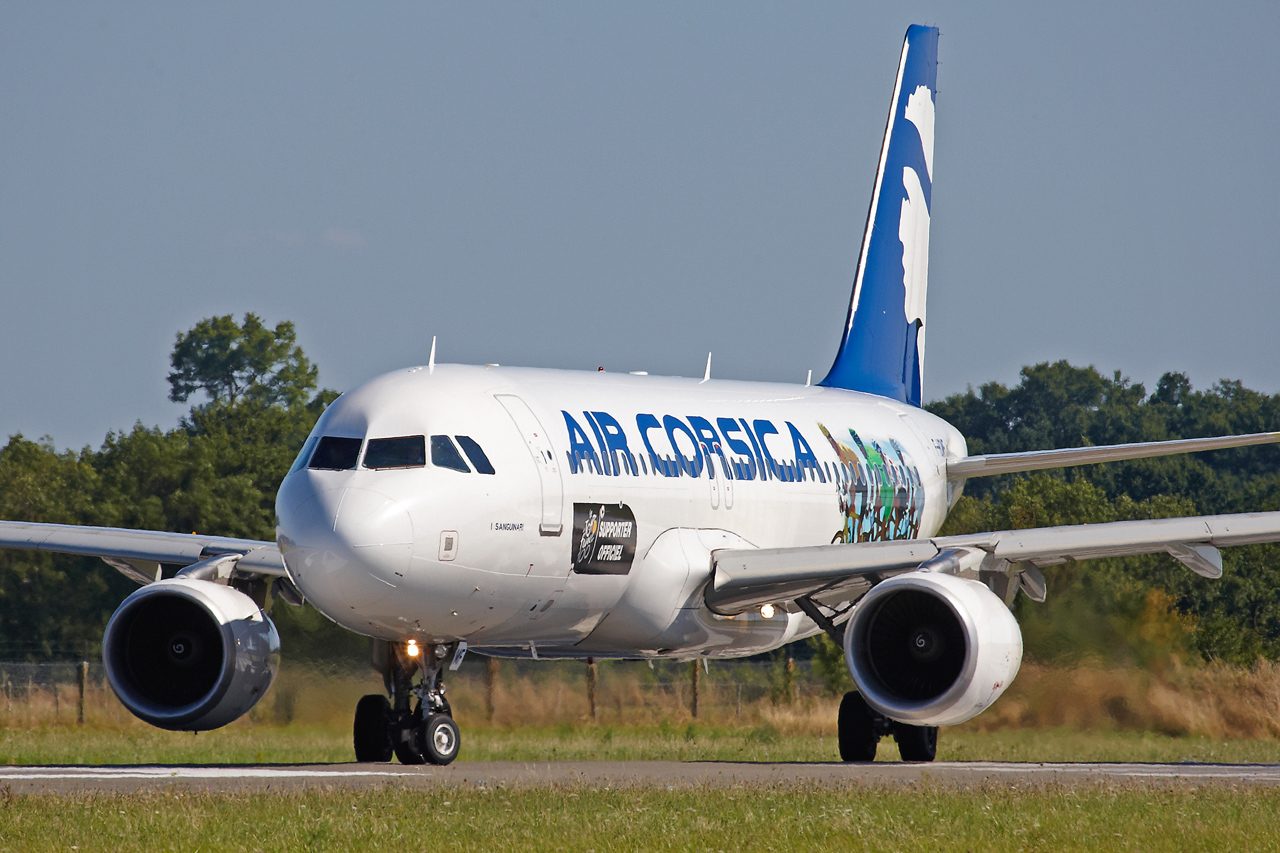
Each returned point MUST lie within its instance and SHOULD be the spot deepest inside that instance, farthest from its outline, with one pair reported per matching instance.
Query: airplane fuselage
(608, 493)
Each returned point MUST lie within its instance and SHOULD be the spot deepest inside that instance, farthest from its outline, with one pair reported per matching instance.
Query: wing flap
(744, 579)
(140, 546)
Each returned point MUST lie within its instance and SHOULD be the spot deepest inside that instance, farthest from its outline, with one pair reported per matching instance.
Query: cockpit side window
(474, 452)
(407, 451)
(445, 455)
(336, 454)
(304, 454)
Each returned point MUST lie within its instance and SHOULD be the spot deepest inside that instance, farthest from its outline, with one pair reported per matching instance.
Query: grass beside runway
(1100, 817)
(245, 743)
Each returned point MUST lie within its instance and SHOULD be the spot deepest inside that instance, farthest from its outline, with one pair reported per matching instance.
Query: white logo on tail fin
(913, 221)
(919, 112)
(913, 231)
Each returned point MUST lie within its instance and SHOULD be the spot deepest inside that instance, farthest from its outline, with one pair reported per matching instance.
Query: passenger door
(544, 459)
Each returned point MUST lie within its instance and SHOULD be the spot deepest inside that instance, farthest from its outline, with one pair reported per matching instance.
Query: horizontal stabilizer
(1035, 460)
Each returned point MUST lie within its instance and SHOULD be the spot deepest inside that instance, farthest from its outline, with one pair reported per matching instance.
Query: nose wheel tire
(407, 739)
(434, 740)
(857, 729)
(440, 739)
(372, 730)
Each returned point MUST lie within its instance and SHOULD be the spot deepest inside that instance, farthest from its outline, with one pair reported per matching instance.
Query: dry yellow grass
(1216, 702)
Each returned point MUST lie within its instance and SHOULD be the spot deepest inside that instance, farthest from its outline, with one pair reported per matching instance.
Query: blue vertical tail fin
(883, 347)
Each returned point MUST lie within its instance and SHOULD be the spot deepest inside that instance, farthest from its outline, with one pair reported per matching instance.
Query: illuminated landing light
(767, 611)
(412, 649)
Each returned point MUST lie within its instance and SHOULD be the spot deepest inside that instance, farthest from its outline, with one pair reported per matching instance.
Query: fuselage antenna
(707, 374)
(431, 361)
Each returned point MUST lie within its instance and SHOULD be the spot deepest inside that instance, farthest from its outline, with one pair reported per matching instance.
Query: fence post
(591, 686)
(693, 702)
(490, 686)
(84, 683)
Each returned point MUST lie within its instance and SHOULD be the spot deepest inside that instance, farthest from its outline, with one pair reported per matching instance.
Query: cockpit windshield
(335, 454)
(408, 451)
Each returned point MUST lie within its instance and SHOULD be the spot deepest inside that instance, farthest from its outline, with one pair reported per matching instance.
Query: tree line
(257, 396)
(1145, 609)
(216, 472)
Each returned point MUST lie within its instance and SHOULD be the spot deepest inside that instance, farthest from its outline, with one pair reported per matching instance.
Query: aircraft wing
(138, 554)
(1035, 460)
(746, 579)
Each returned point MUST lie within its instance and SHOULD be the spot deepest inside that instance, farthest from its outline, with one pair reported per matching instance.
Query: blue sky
(622, 184)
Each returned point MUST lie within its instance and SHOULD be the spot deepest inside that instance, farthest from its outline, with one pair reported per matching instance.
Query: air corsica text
(676, 447)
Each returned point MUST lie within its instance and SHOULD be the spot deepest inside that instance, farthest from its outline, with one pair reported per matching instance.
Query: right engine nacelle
(932, 649)
(190, 655)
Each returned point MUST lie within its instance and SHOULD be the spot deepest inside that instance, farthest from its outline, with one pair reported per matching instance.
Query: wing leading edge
(745, 579)
(139, 553)
(1036, 460)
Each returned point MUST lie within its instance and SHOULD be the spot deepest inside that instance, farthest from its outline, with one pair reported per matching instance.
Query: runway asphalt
(648, 774)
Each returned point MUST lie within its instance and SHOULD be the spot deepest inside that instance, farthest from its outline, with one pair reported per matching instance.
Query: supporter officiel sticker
(604, 539)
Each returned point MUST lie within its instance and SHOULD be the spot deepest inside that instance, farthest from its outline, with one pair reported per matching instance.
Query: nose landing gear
(416, 723)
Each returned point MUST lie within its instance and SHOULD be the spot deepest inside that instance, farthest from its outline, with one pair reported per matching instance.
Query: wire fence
(44, 689)
(506, 692)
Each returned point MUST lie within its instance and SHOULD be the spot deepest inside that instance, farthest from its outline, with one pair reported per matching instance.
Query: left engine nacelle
(932, 649)
(190, 655)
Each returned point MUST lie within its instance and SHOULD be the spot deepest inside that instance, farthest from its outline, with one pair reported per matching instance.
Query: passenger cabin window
(335, 454)
(478, 460)
(407, 451)
(445, 455)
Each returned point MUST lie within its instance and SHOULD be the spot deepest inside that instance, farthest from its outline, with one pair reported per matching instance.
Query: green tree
(51, 605)
(215, 473)
(1060, 405)
(1147, 610)
(231, 362)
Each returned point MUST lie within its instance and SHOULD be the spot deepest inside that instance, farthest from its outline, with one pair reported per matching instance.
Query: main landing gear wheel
(916, 743)
(372, 731)
(861, 727)
(857, 729)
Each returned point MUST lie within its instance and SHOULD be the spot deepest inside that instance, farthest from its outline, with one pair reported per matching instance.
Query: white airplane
(560, 514)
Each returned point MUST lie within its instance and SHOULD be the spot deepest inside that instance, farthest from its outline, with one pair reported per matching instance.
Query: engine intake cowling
(190, 655)
(932, 649)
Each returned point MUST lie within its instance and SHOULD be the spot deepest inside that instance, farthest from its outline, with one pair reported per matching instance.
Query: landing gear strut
(416, 723)
(860, 728)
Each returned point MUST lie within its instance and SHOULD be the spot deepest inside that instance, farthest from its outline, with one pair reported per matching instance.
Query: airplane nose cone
(349, 547)
(377, 528)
